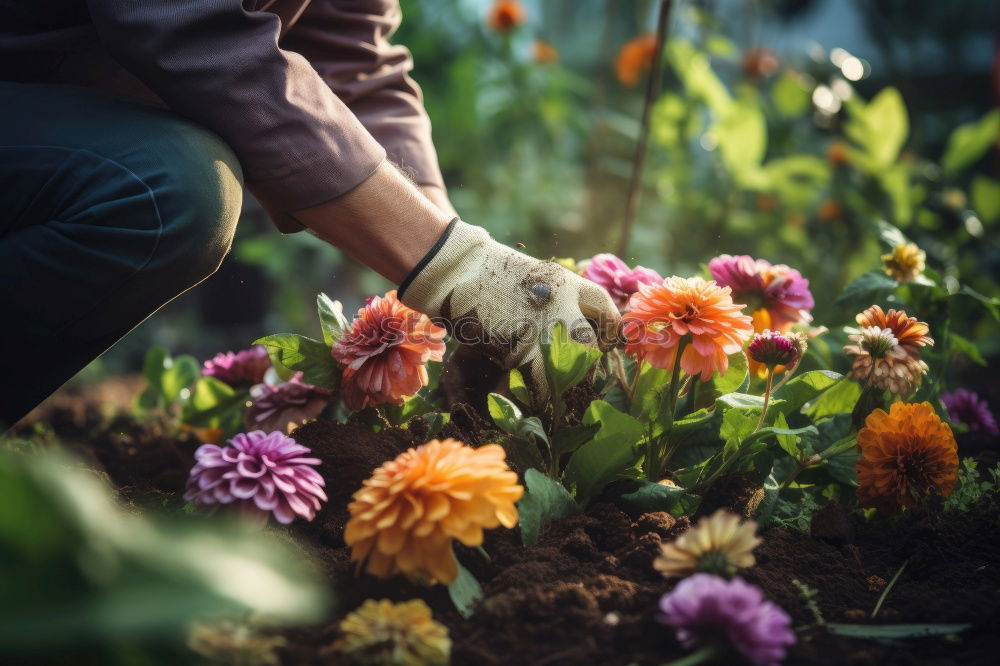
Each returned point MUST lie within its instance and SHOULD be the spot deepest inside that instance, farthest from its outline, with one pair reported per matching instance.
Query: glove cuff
(425, 287)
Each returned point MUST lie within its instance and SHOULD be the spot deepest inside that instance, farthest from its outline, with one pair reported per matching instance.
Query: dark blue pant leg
(109, 208)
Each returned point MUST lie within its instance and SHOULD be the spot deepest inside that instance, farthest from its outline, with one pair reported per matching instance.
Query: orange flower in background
(385, 353)
(836, 154)
(544, 53)
(505, 15)
(906, 455)
(693, 310)
(829, 211)
(759, 62)
(405, 516)
(634, 58)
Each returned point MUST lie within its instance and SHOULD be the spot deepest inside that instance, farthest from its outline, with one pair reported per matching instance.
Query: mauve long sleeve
(347, 42)
(221, 66)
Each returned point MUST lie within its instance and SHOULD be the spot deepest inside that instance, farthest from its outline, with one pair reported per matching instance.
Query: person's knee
(200, 195)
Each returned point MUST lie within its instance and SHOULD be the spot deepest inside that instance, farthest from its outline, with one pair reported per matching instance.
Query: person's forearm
(439, 197)
(386, 223)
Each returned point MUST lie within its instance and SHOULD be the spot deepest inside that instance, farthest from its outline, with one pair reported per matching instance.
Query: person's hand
(500, 301)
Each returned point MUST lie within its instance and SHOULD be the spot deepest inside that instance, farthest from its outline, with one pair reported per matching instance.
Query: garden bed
(587, 592)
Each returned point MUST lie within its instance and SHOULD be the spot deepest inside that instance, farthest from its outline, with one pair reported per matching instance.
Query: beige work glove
(500, 301)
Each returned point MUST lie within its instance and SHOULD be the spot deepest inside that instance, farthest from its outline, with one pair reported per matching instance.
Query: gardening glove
(499, 301)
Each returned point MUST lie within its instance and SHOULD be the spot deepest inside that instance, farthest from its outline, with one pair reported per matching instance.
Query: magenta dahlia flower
(772, 348)
(284, 406)
(262, 472)
(970, 409)
(242, 368)
(617, 278)
(704, 608)
(760, 285)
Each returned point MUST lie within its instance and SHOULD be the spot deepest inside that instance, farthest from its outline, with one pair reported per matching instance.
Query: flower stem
(619, 372)
(482, 551)
(787, 374)
(701, 656)
(767, 397)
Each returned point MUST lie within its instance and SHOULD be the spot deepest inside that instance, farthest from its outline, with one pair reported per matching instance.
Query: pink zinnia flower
(778, 289)
(285, 406)
(262, 473)
(385, 353)
(617, 278)
(771, 348)
(708, 610)
(243, 368)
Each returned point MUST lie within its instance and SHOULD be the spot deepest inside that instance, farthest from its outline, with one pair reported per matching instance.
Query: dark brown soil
(587, 592)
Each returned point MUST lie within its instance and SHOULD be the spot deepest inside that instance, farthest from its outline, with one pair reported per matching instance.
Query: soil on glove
(587, 592)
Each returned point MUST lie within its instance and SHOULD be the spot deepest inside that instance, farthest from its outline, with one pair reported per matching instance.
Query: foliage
(972, 485)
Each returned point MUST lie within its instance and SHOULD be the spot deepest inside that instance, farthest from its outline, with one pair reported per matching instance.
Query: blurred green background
(765, 141)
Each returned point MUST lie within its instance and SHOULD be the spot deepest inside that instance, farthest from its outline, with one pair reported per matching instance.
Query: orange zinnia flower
(505, 15)
(906, 455)
(385, 353)
(634, 58)
(404, 518)
(691, 310)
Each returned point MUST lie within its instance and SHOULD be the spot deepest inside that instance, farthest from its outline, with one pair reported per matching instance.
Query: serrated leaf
(465, 592)
(608, 454)
(544, 500)
(870, 288)
(505, 414)
(301, 354)
(566, 362)
(331, 318)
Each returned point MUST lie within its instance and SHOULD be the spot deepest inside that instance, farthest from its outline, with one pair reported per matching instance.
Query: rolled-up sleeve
(347, 42)
(220, 65)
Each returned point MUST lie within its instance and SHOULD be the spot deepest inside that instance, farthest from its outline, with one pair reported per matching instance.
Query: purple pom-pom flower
(242, 368)
(617, 278)
(966, 407)
(705, 609)
(261, 472)
(771, 348)
(284, 406)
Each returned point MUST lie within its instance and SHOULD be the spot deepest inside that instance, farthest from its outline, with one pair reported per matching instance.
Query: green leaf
(986, 198)
(465, 592)
(805, 387)
(839, 399)
(649, 392)
(737, 377)
(788, 94)
(879, 128)
(890, 235)
(772, 491)
(569, 438)
(789, 443)
(415, 405)
(742, 139)
(153, 366)
(518, 387)
(970, 142)
(842, 467)
(503, 412)
(210, 399)
(608, 454)
(966, 347)
(991, 304)
(532, 427)
(544, 500)
(178, 374)
(310, 357)
(745, 401)
(797, 179)
(331, 319)
(146, 401)
(659, 497)
(894, 631)
(871, 287)
(566, 362)
(736, 427)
